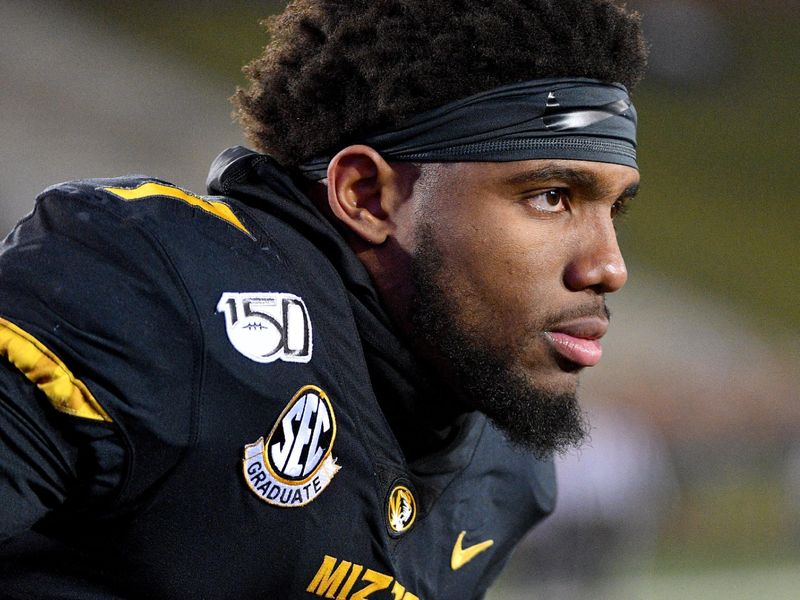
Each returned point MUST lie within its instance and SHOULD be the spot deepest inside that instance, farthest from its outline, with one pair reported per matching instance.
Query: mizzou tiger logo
(401, 509)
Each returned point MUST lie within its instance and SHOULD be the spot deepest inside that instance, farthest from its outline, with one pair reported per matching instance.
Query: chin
(553, 381)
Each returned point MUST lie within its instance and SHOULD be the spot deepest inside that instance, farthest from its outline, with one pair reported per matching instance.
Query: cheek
(501, 273)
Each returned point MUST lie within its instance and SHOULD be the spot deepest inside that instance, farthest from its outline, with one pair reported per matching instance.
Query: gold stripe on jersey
(66, 393)
(152, 189)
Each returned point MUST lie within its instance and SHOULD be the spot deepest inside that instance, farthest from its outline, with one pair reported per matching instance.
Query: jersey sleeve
(46, 456)
(97, 357)
(36, 465)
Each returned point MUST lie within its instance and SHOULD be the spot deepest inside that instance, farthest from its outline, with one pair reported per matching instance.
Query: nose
(598, 263)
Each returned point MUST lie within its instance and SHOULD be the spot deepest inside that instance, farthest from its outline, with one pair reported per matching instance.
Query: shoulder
(113, 245)
(85, 247)
(93, 310)
(151, 202)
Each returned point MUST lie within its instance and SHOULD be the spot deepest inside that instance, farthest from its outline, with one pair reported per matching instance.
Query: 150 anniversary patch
(294, 464)
(268, 326)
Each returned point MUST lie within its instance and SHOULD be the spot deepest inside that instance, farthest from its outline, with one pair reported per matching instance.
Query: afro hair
(337, 69)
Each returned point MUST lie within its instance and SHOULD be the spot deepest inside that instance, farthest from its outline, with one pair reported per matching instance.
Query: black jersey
(201, 397)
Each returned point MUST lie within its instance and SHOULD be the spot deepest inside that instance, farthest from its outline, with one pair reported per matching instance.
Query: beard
(531, 417)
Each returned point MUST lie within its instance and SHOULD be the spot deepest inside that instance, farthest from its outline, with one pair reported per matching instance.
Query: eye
(619, 208)
(551, 201)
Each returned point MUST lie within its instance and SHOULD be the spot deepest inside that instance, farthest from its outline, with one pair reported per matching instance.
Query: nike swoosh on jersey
(462, 556)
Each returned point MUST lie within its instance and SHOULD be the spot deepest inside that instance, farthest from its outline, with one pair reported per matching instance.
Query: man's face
(511, 263)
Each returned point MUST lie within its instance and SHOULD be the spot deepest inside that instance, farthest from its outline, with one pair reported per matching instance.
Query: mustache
(593, 309)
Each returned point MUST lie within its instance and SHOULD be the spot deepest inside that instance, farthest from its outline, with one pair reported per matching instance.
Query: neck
(420, 410)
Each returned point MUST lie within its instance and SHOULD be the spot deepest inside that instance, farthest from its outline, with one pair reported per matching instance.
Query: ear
(363, 192)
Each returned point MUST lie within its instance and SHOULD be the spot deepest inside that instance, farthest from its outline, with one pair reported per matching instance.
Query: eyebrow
(582, 179)
(630, 191)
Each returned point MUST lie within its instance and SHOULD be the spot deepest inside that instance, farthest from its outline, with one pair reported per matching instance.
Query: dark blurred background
(690, 486)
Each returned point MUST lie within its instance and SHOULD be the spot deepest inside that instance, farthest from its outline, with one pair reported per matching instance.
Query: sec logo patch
(295, 463)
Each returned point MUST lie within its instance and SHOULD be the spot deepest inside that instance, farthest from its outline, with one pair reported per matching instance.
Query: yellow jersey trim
(66, 393)
(151, 189)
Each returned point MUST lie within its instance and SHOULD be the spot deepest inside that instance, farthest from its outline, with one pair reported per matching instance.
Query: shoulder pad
(133, 190)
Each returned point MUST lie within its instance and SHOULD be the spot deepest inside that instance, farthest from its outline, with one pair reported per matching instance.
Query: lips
(579, 341)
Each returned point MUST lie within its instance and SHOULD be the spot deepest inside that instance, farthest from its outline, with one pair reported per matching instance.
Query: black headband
(574, 119)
